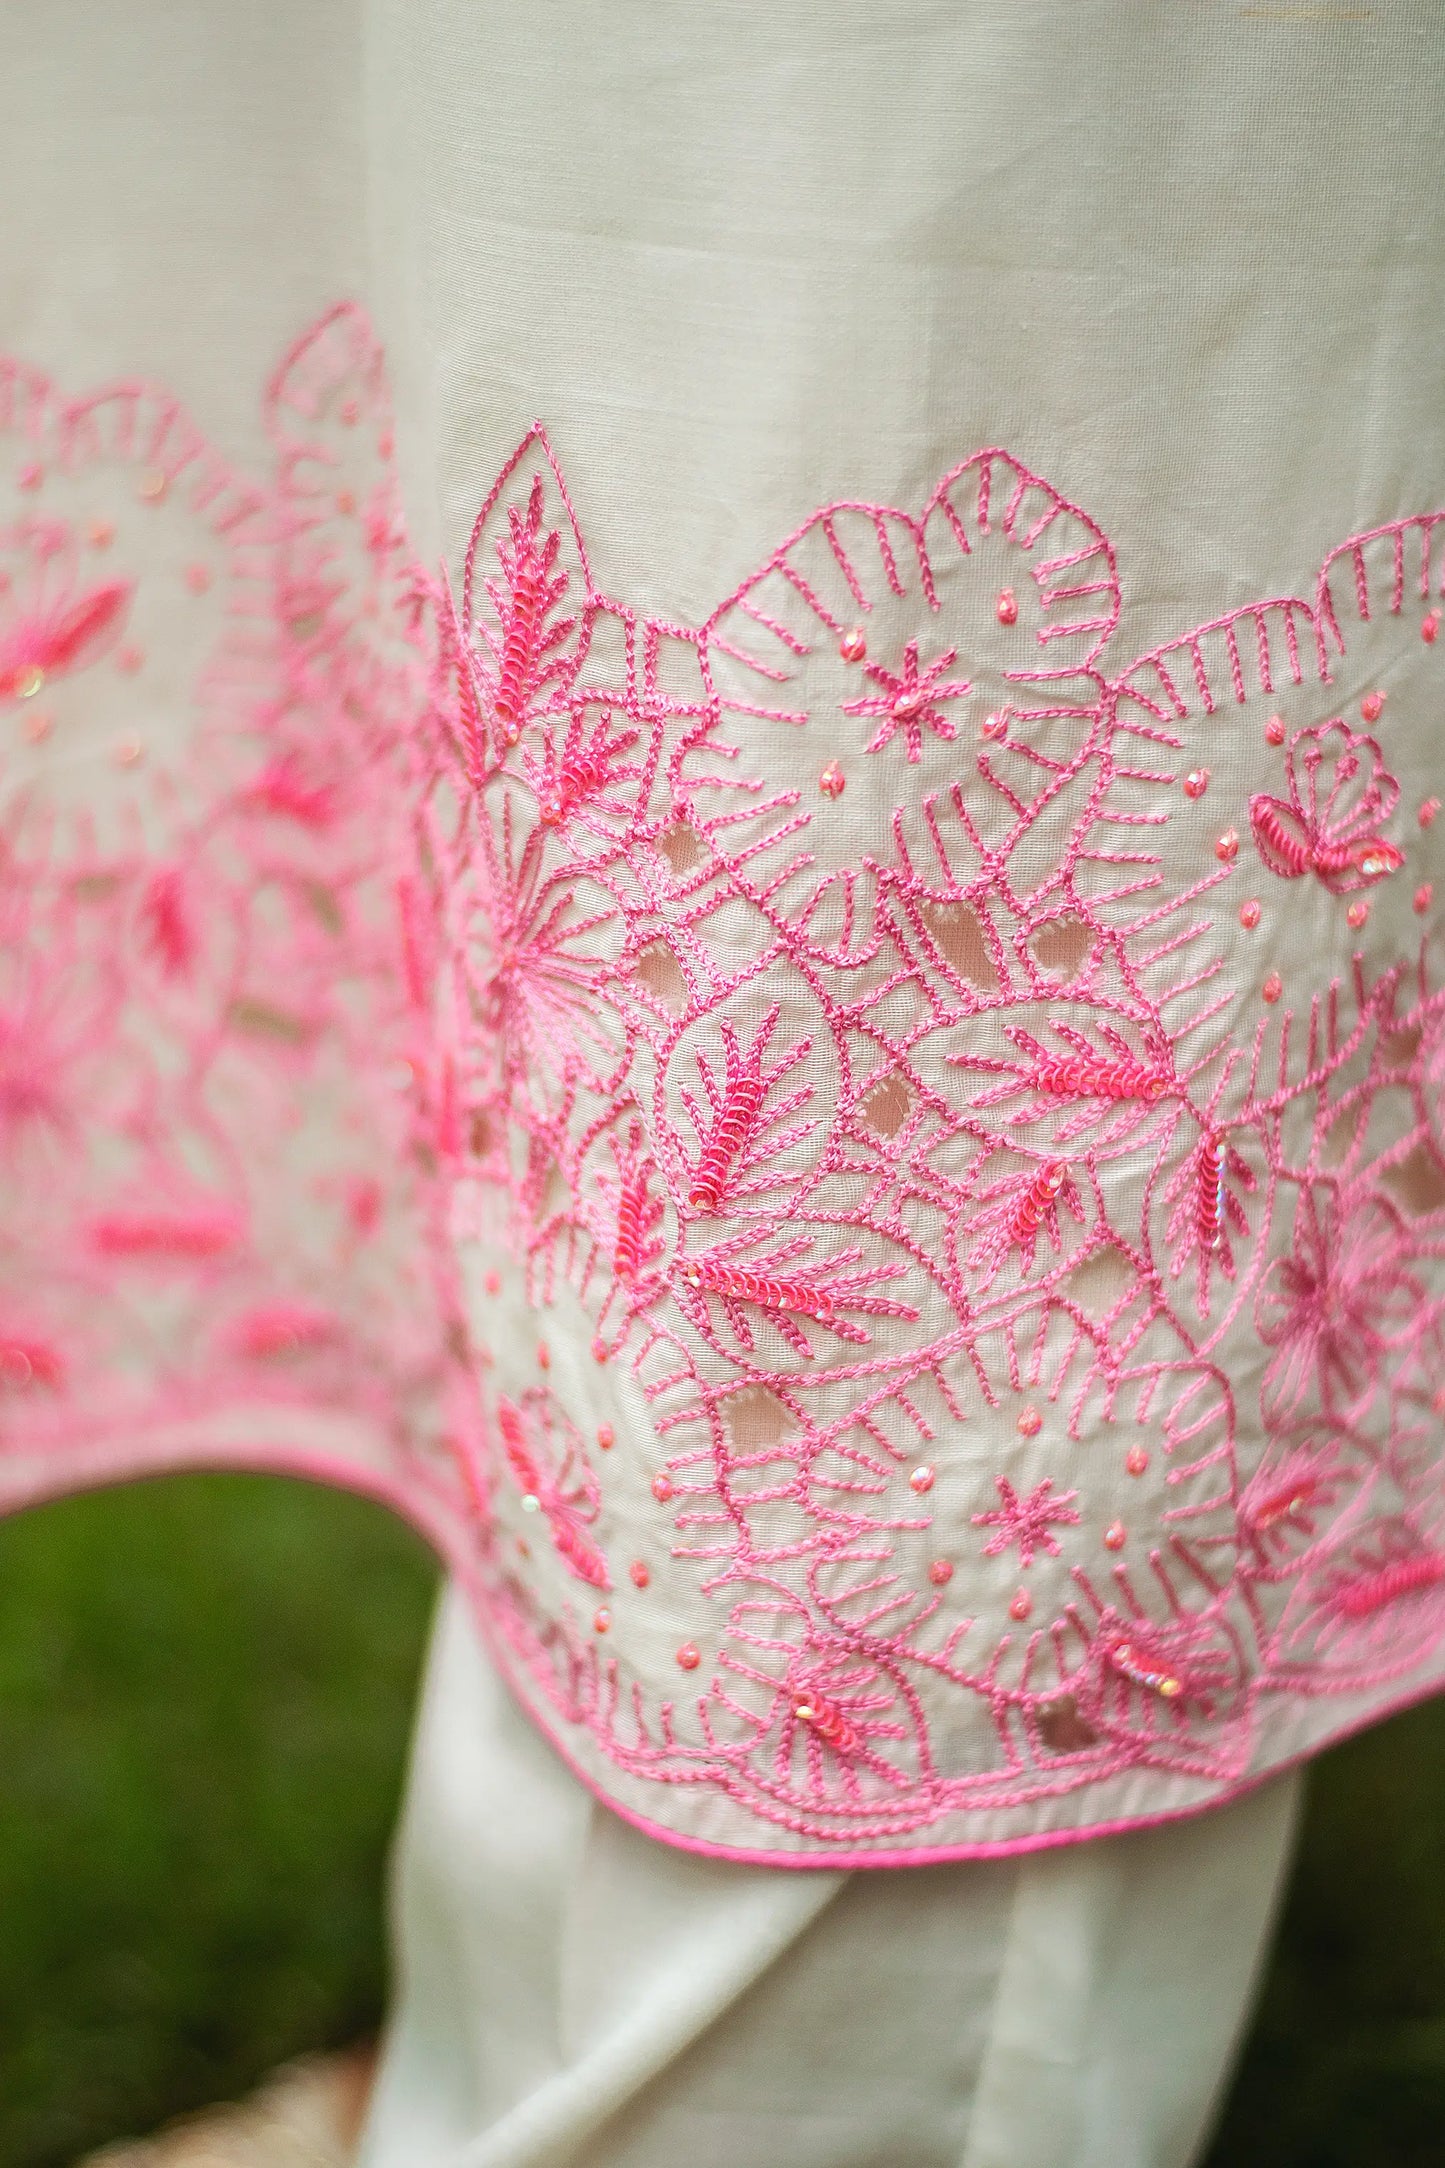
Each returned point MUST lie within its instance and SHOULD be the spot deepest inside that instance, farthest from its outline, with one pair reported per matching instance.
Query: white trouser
(572, 1994)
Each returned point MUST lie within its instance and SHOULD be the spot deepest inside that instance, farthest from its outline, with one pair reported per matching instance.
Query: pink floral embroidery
(903, 1202)
(1340, 797)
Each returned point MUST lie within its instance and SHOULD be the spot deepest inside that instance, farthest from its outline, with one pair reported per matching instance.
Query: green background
(206, 1687)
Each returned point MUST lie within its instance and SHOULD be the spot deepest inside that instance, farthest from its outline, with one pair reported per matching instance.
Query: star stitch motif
(1027, 1522)
(908, 700)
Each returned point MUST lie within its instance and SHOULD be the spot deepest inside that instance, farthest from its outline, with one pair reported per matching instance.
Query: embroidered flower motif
(1027, 1522)
(52, 622)
(910, 700)
(1334, 1307)
(1340, 796)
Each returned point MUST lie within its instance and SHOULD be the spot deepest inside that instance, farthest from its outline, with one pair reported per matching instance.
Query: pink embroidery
(895, 1190)
(1331, 832)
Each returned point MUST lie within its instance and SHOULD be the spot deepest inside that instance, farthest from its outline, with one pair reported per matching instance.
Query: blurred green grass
(206, 1688)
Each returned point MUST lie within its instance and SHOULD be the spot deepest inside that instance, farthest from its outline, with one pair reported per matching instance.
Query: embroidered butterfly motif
(1340, 796)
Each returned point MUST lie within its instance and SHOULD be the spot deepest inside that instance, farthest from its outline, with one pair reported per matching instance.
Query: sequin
(1273, 987)
(1424, 896)
(493, 1283)
(100, 533)
(940, 1573)
(1021, 1606)
(1249, 915)
(853, 646)
(1430, 627)
(1136, 1460)
(1358, 912)
(152, 486)
(128, 752)
(663, 1488)
(606, 1437)
(1007, 607)
(1030, 1423)
(1428, 809)
(29, 681)
(1372, 706)
(198, 578)
(1114, 1536)
(994, 725)
(639, 1573)
(601, 1619)
(1196, 783)
(689, 1656)
(600, 1350)
(38, 726)
(544, 1356)
(921, 1480)
(832, 781)
(129, 659)
(1274, 730)
(1227, 848)
(30, 476)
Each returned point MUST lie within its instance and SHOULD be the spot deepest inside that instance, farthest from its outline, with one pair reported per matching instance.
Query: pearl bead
(1227, 848)
(832, 782)
(853, 646)
(1196, 783)
(1371, 706)
(1007, 607)
(1021, 1606)
(940, 1573)
(1274, 730)
(1136, 1460)
(921, 1480)
(689, 1656)
(1249, 915)
(1030, 1423)
(1114, 1536)
(663, 1488)
(1273, 987)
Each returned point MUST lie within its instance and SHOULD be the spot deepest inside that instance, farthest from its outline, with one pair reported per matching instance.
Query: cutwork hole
(754, 1417)
(1418, 1181)
(1062, 946)
(958, 932)
(682, 846)
(661, 973)
(885, 1105)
